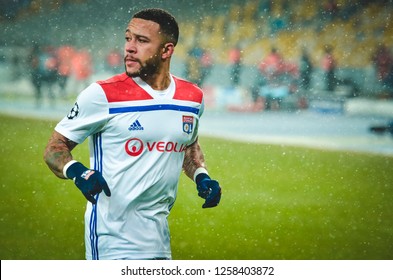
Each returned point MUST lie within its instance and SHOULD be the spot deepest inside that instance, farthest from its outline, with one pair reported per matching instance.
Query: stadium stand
(354, 30)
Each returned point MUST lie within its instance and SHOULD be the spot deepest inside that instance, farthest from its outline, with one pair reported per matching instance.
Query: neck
(159, 81)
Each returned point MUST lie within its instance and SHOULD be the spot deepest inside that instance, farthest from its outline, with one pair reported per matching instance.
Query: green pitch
(278, 202)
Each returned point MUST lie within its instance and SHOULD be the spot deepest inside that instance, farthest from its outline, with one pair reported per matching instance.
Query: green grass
(278, 202)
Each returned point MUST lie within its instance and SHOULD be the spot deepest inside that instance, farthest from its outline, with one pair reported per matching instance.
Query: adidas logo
(135, 126)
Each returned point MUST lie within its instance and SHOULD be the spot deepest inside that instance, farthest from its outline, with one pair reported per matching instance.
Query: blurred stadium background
(209, 31)
(344, 194)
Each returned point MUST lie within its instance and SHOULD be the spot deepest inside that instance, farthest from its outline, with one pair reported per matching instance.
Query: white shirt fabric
(137, 138)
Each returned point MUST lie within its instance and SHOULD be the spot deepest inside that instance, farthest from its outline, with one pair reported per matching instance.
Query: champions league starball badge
(188, 122)
(74, 112)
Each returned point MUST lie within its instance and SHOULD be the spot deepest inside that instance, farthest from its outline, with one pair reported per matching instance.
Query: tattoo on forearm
(58, 153)
(193, 159)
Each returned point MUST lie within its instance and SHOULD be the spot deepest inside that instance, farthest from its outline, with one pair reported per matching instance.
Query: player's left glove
(208, 189)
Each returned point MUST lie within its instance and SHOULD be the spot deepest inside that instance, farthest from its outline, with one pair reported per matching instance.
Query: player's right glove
(208, 189)
(90, 182)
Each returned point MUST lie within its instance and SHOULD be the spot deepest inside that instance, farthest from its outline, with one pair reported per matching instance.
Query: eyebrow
(138, 36)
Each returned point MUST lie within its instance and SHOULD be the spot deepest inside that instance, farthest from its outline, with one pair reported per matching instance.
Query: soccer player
(143, 130)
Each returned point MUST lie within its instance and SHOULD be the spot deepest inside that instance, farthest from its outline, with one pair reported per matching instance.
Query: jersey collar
(157, 94)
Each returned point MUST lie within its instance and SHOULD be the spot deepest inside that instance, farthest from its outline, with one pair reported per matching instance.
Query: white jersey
(137, 137)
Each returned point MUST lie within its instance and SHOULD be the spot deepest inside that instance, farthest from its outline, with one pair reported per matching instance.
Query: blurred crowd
(52, 69)
(300, 47)
(278, 78)
(289, 44)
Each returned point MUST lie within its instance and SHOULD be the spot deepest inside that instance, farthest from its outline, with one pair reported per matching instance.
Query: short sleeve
(88, 116)
(197, 120)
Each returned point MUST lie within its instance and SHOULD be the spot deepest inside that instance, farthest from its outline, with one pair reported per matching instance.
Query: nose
(130, 46)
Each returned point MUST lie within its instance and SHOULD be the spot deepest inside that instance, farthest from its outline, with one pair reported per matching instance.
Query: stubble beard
(149, 68)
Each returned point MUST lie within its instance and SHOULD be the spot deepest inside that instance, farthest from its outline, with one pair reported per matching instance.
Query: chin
(132, 74)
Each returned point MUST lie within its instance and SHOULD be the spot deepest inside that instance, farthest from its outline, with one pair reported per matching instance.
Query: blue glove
(208, 189)
(89, 181)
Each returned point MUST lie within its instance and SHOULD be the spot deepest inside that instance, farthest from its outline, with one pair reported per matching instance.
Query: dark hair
(167, 22)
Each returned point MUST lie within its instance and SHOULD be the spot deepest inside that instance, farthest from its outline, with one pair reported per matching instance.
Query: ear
(167, 50)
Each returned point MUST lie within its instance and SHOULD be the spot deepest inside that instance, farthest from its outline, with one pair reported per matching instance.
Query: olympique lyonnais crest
(188, 122)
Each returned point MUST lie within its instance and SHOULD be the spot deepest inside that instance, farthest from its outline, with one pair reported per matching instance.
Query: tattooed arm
(193, 159)
(58, 153)
(194, 168)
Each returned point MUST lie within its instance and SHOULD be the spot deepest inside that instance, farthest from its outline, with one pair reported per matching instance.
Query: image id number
(244, 270)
